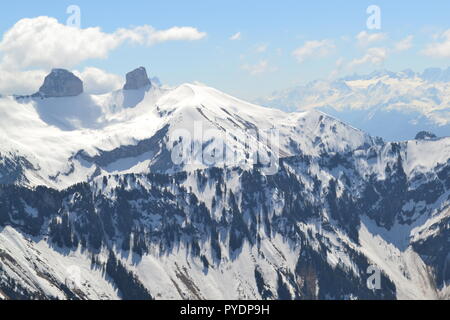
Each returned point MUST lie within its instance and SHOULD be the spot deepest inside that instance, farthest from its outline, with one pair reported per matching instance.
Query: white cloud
(259, 68)
(374, 56)
(364, 38)
(97, 81)
(148, 35)
(33, 46)
(314, 49)
(43, 42)
(21, 83)
(236, 36)
(261, 48)
(404, 44)
(439, 49)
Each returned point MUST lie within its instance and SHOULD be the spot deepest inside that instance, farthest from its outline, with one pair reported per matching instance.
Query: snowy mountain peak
(392, 105)
(425, 135)
(436, 75)
(61, 83)
(137, 79)
(429, 74)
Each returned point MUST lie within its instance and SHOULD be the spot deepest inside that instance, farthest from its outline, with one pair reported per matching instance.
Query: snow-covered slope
(70, 140)
(394, 106)
(45, 271)
(93, 204)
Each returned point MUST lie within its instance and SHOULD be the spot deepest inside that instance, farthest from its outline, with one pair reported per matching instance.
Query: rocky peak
(61, 83)
(137, 79)
(425, 135)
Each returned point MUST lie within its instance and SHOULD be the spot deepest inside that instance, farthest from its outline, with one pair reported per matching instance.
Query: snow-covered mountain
(95, 202)
(67, 140)
(394, 106)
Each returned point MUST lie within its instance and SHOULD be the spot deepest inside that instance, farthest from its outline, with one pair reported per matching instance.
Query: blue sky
(262, 60)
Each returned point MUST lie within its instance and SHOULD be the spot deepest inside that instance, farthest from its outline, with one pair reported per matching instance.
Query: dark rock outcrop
(425, 135)
(137, 79)
(61, 83)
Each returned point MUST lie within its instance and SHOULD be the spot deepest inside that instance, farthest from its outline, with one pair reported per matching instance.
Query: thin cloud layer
(364, 38)
(236, 36)
(374, 56)
(439, 49)
(314, 49)
(261, 48)
(261, 67)
(404, 44)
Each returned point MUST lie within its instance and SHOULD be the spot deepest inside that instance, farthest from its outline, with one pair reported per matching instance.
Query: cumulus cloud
(374, 56)
(43, 42)
(314, 49)
(34, 46)
(97, 81)
(440, 48)
(404, 44)
(364, 38)
(21, 83)
(236, 36)
(259, 68)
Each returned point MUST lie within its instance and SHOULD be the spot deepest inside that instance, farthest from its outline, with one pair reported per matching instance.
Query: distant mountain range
(189, 193)
(391, 105)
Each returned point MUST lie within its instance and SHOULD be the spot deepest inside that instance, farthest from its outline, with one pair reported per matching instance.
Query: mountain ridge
(93, 205)
(88, 125)
(392, 105)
